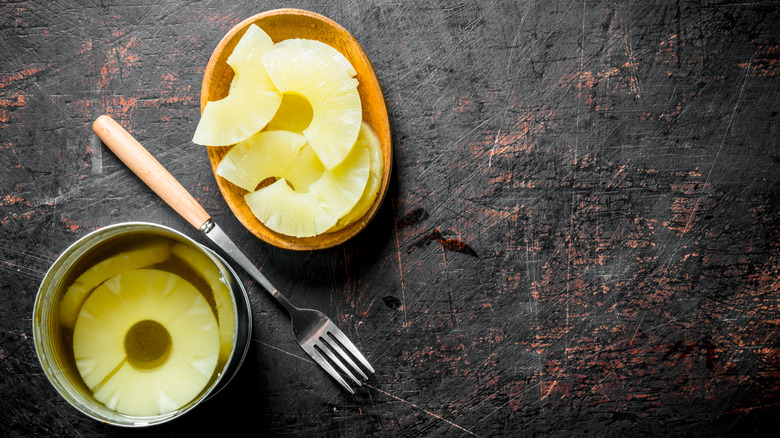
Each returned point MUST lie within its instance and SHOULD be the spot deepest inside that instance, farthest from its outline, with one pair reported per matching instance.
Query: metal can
(53, 338)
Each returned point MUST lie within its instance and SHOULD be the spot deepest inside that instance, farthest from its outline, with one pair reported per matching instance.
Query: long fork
(319, 337)
(316, 333)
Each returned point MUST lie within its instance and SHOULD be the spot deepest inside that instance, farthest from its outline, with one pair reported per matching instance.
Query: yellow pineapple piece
(77, 292)
(319, 45)
(286, 211)
(369, 137)
(278, 154)
(224, 304)
(332, 93)
(252, 100)
(298, 214)
(339, 189)
(307, 169)
(146, 342)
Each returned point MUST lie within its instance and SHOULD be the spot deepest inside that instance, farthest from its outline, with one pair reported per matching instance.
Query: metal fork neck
(215, 233)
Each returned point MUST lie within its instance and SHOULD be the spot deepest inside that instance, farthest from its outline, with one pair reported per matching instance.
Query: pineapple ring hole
(147, 344)
(270, 180)
(295, 113)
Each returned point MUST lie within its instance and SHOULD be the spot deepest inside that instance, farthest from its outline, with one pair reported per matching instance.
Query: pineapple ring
(224, 304)
(299, 214)
(371, 191)
(288, 212)
(101, 333)
(77, 292)
(332, 93)
(271, 154)
(251, 102)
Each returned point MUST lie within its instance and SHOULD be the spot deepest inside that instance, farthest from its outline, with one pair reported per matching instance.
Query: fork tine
(328, 350)
(343, 354)
(325, 365)
(341, 337)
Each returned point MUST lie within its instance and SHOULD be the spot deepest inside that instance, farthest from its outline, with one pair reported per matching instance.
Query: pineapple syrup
(147, 343)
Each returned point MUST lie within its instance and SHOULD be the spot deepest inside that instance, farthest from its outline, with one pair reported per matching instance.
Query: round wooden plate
(281, 24)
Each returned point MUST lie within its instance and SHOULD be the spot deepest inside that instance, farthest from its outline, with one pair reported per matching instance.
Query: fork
(319, 337)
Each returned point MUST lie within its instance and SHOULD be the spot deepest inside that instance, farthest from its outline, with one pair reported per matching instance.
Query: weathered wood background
(582, 234)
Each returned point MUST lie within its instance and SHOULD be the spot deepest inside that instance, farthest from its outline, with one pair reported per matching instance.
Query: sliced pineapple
(293, 213)
(331, 92)
(247, 52)
(279, 154)
(338, 190)
(147, 255)
(369, 137)
(146, 342)
(286, 211)
(224, 304)
(307, 169)
(252, 100)
(319, 45)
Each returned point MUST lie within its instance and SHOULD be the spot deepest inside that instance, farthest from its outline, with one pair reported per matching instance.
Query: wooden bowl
(281, 24)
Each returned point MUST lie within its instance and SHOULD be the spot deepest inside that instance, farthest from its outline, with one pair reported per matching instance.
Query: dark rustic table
(581, 237)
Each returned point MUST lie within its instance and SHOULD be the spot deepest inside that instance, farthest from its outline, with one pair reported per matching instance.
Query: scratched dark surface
(582, 234)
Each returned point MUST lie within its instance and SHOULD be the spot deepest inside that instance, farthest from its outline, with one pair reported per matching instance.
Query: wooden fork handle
(151, 172)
